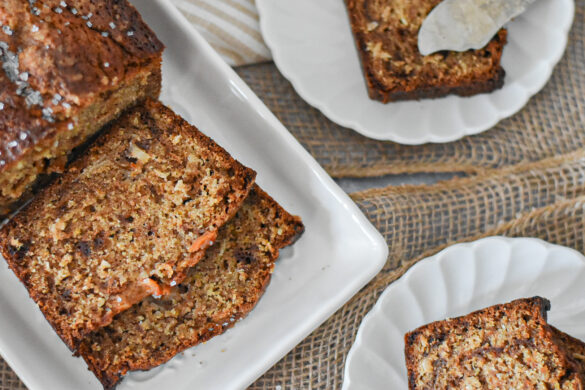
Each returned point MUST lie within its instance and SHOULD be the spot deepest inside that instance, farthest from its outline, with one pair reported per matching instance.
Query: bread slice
(220, 290)
(508, 346)
(66, 69)
(126, 221)
(575, 347)
(386, 36)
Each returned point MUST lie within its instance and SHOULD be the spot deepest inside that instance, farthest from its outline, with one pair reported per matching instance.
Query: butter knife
(461, 25)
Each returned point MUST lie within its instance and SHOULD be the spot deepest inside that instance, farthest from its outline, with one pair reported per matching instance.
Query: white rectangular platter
(338, 254)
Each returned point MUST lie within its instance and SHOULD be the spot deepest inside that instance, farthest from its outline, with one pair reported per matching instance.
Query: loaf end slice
(127, 220)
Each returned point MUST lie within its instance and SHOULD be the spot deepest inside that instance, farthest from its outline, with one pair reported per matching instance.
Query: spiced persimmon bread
(125, 221)
(386, 37)
(221, 289)
(66, 69)
(508, 346)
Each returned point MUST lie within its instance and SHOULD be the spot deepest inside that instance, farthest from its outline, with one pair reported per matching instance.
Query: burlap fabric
(552, 123)
(545, 199)
(543, 196)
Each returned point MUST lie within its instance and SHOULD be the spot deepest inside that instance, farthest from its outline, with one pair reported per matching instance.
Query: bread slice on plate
(66, 69)
(221, 289)
(386, 36)
(127, 220)
(508, 346)
(575, 346)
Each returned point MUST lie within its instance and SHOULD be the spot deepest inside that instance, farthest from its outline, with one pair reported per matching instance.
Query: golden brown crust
(123, 218)
(57, 59)
(224, 287)
(502, 346)
(386, 37)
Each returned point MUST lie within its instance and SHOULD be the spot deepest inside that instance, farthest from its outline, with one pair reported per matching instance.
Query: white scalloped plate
(313, 47)
(457, 281)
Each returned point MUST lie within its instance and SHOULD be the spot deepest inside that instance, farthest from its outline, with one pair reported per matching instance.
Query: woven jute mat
(545, 199)
(552, 123)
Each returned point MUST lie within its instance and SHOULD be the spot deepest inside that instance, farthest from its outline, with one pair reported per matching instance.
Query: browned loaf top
(58, 59)
(125, 221)
(222, 288)
(508, 346)
(386, 36)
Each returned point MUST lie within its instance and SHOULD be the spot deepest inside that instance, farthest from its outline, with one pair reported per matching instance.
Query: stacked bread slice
(220, 290)
(153, 239)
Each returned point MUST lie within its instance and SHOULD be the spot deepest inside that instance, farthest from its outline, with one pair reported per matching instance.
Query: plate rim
(352, 123)
(358, 342)
(371, 234)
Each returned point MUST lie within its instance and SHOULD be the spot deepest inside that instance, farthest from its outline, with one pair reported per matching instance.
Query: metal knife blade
(461, 25)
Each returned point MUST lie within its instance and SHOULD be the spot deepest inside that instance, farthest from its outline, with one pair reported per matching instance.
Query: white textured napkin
(230, 26)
